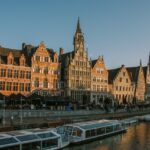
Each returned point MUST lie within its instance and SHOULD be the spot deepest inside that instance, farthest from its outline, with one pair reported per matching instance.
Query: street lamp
(4, 112)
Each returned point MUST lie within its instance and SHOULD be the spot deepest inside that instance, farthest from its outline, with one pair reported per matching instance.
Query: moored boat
(88, 131)
(34, 139)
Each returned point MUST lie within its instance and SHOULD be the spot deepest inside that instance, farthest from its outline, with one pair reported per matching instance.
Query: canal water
(137, 137)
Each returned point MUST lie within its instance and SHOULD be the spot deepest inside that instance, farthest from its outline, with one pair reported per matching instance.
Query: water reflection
(136, 138)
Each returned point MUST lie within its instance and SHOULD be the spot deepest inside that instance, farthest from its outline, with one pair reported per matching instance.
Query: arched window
(45, 83)
(36, 82)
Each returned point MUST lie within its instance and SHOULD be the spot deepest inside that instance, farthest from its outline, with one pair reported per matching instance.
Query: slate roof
(4, 53)
(112, 74)
(27, 50)
(93, 62)
(62, 60)
(133, 72)
(145, 71)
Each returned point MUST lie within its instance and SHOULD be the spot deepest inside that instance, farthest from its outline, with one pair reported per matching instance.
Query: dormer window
(10, 58)
(22, 61)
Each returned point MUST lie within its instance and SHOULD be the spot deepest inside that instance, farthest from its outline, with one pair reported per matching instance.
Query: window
(27, 87)
(46, 70)
(120, 79)
(45, 83)
(3, 72)
(15, 86)
(2, 85)
(37, 69)
(21, 86)
(46, 59)
(16, 72)
(116, 88)
(126, 80)
(22, 74)
(98, 87)
(37, 58)
(120, 88)
(9, 73)
(100, 131)
(36, 82)
(94, 79)
(28, 74)
(124, 73)
(8, 87)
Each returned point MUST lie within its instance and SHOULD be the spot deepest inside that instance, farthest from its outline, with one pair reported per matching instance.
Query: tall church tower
(148, 72)
(78, 38)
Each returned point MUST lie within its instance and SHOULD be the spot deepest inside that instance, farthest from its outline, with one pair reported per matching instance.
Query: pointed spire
(149, 59)
(78, 26)
(140, 62)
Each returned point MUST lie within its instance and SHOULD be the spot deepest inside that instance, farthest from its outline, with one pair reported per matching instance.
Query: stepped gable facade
(120, 84)
(99, 80)
(31, 69)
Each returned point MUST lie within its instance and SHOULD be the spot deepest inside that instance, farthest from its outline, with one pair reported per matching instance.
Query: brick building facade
(43, 71)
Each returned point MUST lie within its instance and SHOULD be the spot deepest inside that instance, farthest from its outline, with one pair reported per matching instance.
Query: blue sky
(117, 29)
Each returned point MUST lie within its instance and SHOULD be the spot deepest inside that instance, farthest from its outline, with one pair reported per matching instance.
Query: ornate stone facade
(76, 70)
(45, 71)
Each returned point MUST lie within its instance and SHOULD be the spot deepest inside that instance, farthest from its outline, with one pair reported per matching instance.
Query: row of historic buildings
(44, 71)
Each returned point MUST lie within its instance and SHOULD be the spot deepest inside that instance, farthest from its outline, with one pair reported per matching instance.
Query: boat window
(11, 148)
(27, 137)
(9, 140)
(88, 133)
(109, 129)
(31, 146)
(77, 132)
(46, 135)
(93, 132)
(100, 131)
(117, 127)
(50, 143)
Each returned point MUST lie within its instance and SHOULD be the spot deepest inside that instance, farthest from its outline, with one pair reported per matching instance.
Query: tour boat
(34, 139)
(87, 131)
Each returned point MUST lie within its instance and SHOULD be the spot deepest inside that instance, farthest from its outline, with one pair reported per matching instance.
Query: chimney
(61, 51)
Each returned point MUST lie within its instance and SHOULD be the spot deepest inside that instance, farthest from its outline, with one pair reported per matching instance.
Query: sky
(117, 29)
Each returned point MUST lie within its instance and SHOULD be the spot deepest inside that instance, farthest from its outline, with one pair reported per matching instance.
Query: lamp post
(21, 111)
(4, 112)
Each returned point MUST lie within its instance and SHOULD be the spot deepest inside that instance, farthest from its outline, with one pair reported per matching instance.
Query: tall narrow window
(2, 85)
(36, 82)
(9, 74)
(21, 86)
(37, 69)
(3, 72)
(45, 83)
(16, 72)
(46, 70)
(37, 58)
(22, 74)
(8, 86)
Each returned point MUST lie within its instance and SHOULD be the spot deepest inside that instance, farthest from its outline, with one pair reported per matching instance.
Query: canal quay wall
(23, 119)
